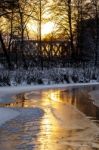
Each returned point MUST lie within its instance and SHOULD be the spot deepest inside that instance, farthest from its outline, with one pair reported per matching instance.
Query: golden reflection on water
(49, 135)
(42, 98)
(62, 125)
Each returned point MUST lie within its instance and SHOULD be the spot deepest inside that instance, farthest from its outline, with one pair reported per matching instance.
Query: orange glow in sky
(46, 29)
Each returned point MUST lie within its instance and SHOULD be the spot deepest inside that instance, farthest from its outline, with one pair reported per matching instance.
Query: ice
(7, 114)
(20, 89)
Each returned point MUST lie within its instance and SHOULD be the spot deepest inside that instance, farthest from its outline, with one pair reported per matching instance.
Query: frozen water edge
(7, 114)
(19, 89)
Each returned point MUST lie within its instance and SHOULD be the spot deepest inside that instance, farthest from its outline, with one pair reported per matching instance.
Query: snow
(20, 89)
(7, 114)
(36, 76)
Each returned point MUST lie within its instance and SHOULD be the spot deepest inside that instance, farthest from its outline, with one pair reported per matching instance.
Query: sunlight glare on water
(66, 123)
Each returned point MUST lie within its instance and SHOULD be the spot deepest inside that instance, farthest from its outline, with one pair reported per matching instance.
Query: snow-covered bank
(95, 97)
(36, 76)
(19, 89)
(7, 114)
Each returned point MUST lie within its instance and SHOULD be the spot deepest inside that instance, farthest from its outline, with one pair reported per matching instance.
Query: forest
(73, 38)
(50, 35)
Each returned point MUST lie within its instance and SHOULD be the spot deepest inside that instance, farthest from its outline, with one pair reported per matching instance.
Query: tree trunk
(70, 28)
(97, 37)
(5, 51)
(40, 36)
(22, 40)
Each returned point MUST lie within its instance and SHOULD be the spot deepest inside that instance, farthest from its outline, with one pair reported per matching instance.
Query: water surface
(52, 119)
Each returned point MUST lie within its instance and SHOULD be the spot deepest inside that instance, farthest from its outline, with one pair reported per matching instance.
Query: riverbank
(19, 89)
(36, 76)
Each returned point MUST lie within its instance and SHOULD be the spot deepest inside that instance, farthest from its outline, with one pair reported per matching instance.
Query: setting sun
(47, 28)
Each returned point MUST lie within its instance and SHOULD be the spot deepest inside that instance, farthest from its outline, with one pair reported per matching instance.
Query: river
(54, 119)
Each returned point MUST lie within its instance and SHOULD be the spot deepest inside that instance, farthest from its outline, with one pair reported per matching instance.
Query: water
(7, 99)
(52, 119)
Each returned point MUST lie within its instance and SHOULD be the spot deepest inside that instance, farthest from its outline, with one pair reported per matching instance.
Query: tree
(87, 29)
(19, 13)
(64, 16)
(95, 4)
(7, 8)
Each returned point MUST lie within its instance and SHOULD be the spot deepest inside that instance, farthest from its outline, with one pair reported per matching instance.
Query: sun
(46, 28)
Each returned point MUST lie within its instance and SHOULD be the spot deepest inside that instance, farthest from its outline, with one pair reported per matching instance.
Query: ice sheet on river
(7, 114)
(71, 119)
(68, 118)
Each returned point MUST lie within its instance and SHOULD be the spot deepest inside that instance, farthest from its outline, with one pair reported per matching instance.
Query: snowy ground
(20, 89)
(36, 76)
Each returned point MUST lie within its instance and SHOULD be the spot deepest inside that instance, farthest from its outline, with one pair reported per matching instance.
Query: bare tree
(95, 4)
(7, 9)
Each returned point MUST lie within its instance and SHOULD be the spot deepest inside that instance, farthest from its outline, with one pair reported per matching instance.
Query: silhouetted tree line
(77, 24)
